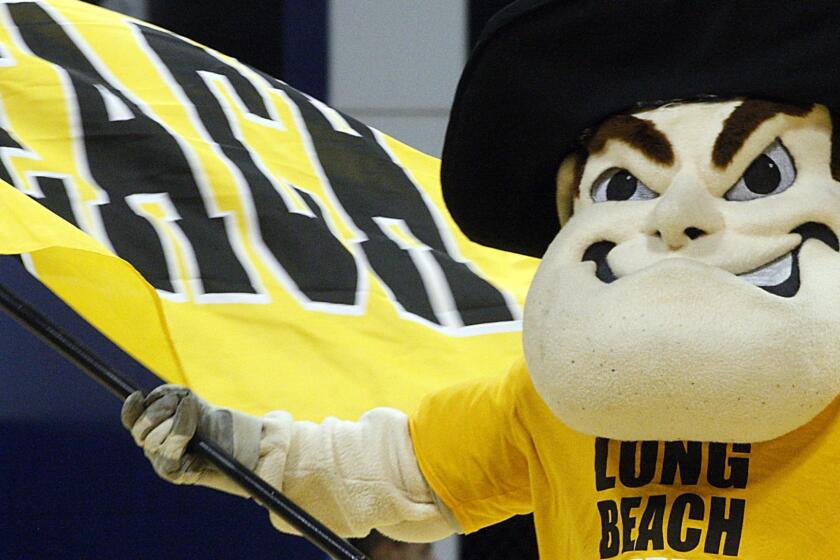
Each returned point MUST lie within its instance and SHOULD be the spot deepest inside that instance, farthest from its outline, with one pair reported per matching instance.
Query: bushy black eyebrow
(743, 121)
(638, 133)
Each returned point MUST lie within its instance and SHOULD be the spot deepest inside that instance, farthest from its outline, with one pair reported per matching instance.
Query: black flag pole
(120, 386)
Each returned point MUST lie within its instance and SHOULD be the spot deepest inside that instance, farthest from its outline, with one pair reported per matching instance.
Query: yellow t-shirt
(492, 449)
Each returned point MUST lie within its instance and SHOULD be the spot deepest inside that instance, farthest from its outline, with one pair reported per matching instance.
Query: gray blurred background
(393, 64)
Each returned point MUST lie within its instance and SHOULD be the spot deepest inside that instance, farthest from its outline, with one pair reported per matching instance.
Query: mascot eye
(770, 173)
(620, 184)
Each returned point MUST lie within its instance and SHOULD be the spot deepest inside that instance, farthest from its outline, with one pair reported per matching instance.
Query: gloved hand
(164, 422)
(353, 476)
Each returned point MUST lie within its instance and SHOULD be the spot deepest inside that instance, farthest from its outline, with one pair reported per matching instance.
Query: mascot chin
(677, 166)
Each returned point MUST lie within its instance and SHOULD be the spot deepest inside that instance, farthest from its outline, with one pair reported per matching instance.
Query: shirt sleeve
(473, 449)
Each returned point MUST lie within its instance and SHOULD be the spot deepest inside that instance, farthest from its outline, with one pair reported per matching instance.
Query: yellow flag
(232, 233)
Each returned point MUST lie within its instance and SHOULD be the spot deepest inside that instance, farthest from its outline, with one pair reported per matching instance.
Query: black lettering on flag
(425, 276)
(685, 506)
(130, 153)
(52, 190)
(602, 449)
(720, 462)
(300, 243)
(637, 467)
(650, 527)
(56, 196)
(720, 524)
(9, 146)
(610, 537)
(686, 457)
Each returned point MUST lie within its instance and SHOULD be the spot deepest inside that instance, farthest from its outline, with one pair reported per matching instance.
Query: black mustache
(817, 230)
(809, 230)
(598, 251)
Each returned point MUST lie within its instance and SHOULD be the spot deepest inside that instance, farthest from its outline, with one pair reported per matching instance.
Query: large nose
(686, 211)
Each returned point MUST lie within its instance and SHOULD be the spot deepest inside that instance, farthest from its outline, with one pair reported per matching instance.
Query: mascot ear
(568, 184)
(835, 145)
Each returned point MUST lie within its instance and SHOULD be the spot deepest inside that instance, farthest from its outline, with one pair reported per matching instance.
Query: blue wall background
(72, 483)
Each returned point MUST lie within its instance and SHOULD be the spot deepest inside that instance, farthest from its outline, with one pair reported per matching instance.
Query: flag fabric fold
(232, 233)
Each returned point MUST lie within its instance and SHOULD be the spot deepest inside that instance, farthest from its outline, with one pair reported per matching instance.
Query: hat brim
(544, 71)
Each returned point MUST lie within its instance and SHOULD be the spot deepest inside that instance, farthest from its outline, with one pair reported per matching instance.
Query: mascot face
(695, 291)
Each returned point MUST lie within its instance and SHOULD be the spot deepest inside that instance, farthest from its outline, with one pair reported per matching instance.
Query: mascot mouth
(779, 277)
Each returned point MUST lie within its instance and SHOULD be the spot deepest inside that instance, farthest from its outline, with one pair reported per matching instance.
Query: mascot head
(688, 151)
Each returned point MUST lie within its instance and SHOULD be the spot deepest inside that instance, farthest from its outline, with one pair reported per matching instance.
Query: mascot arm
(352, 476)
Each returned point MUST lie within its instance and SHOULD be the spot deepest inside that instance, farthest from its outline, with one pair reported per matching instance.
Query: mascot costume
(677, 167)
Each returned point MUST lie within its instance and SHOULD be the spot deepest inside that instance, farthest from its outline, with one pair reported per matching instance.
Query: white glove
(353, 476)
(164, 422)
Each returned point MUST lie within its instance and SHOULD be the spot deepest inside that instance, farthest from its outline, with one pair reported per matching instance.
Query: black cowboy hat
(544, 71)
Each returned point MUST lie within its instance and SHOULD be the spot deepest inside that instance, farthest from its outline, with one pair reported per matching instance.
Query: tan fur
(835, 146)
(568, 184)
(678, 347)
